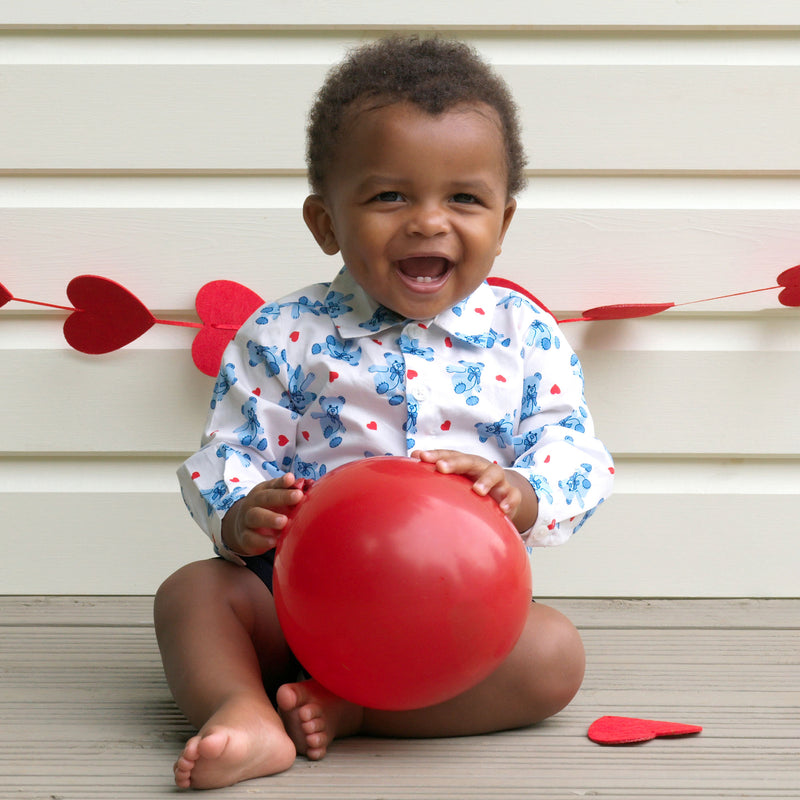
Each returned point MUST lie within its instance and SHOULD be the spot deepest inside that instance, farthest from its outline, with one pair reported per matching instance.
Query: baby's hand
(252, 524)
(512, 492)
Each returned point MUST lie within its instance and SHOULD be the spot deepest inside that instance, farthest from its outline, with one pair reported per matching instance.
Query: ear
(319, 222)
(508, 215)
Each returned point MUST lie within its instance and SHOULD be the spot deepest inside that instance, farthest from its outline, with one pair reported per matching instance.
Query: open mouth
(424, 272)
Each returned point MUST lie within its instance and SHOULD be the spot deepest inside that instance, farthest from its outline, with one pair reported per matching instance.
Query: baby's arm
(512, 492)
(252, 524)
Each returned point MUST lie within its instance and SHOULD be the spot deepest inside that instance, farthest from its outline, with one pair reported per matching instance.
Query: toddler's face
(417, 204)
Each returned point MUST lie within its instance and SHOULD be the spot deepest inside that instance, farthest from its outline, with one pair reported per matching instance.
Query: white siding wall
(160, 143)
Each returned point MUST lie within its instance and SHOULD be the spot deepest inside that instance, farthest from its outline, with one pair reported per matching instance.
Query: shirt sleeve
(558, 453)
(239, 446)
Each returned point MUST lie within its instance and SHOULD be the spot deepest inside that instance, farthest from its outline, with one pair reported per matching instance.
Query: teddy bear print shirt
(326, 375)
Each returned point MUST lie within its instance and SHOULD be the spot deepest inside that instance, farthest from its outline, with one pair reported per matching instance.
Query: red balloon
(397, 586)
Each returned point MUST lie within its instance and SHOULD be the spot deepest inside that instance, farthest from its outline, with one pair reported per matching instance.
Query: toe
(314, 725)
(291, 696)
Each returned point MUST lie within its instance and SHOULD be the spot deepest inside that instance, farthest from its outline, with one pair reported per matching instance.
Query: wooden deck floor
(85, 712)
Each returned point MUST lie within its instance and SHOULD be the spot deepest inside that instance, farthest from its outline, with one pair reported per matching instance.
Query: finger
(448, 461)
(256, 544)
(262, 529)
(488, 478)
(269, 498)
(429, 456)
(507, 497)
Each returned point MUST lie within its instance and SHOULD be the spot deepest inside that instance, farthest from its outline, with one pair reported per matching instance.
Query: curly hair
(434, 74)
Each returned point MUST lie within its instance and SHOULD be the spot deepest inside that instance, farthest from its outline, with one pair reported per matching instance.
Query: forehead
(381, 136)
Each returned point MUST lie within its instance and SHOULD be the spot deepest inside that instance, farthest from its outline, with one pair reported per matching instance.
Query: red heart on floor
(5, 295)
(790, 278)
(627, 730)
(626, 311)
(222, 306)
(106, 317)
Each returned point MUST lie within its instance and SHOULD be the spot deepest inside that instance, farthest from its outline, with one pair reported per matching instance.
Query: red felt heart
(106, 317)
(790, 278)
(5, 295)
(627, 730)
(222, 306)
(626, 311)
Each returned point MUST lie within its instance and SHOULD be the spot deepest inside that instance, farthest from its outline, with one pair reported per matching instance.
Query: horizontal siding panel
(90, 543)
(128, 402)
(641, 475)
(586, 45)
(155, 401)
(637, 545)
(571, 258)
(695, 402)
(413, 13)
(697, 545)
(587, 117)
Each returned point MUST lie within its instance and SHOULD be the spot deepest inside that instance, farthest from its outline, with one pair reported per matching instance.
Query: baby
(414, 160)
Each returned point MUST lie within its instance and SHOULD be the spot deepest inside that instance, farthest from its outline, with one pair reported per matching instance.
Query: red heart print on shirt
(627, 730)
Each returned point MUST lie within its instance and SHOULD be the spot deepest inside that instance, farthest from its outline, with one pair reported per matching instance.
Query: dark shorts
(262, 566)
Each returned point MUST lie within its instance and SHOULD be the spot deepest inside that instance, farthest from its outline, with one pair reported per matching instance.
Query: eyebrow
(466, 185)
(382, 180)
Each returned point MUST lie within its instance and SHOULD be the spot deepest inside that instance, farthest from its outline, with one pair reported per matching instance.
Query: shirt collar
(355, 314)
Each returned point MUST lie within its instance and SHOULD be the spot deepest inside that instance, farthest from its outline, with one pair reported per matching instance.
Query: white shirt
(326, 375)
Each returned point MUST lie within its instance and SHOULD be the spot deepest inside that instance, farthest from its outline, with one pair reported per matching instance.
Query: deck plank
(86, 712)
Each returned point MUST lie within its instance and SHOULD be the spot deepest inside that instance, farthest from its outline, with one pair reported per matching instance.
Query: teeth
(423, 279)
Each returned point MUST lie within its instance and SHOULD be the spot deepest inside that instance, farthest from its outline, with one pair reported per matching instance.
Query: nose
(428, 219)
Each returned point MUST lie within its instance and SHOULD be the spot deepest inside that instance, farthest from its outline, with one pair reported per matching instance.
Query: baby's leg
(221, 643)
(539, 678)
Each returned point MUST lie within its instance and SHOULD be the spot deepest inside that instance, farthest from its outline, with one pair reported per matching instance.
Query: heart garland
(629, 730)
(105, 316)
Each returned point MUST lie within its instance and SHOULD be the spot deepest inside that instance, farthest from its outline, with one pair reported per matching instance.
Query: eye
(465, 197)
(389, 197)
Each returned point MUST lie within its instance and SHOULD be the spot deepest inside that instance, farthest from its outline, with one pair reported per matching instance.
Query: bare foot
(239, 742)
(314, 717)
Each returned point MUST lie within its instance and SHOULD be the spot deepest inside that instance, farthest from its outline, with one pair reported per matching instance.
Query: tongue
(426, 267)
